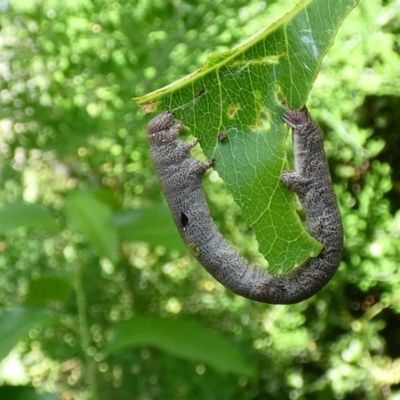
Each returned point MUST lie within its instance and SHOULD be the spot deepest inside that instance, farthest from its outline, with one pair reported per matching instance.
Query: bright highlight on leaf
(243, 92)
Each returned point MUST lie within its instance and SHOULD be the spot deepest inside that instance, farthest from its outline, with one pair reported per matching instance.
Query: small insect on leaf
(222, 136)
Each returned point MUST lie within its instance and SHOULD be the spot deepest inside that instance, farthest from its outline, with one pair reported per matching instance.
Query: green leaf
(48, 289)
(183, 339)
(241, 92)
(17, 321)
(20, 214)
(24, 393)
(93, 219)
(152, 225)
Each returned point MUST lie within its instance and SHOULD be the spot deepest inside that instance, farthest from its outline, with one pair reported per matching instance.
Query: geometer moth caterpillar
(181, 175)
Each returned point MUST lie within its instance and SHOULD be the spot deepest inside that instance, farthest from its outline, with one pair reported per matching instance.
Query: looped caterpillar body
(181, 175)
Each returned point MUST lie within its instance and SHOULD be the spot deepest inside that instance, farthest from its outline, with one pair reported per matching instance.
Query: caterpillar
(181, 179)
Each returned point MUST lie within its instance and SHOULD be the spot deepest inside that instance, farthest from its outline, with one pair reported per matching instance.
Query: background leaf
(93, 219)
(152, 225)
(17, 321)
(20, 214)
(48, 289)
(183, 339)
(241, 92)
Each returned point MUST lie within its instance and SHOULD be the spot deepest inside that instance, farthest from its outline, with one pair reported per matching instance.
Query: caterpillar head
(296, 118)
(300, 121)
(159, 124)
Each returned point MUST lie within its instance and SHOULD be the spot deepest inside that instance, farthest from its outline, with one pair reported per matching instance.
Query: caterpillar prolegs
(181, 175)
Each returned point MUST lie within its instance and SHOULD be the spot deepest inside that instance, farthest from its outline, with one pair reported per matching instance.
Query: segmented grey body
(181, 175)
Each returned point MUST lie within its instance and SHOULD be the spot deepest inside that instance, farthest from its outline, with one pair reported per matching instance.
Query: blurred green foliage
(69, 134)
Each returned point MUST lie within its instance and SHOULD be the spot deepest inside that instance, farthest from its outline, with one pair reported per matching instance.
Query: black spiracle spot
(184, 220)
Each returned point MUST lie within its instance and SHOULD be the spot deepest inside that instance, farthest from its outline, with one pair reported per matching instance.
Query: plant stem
(85, 333)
